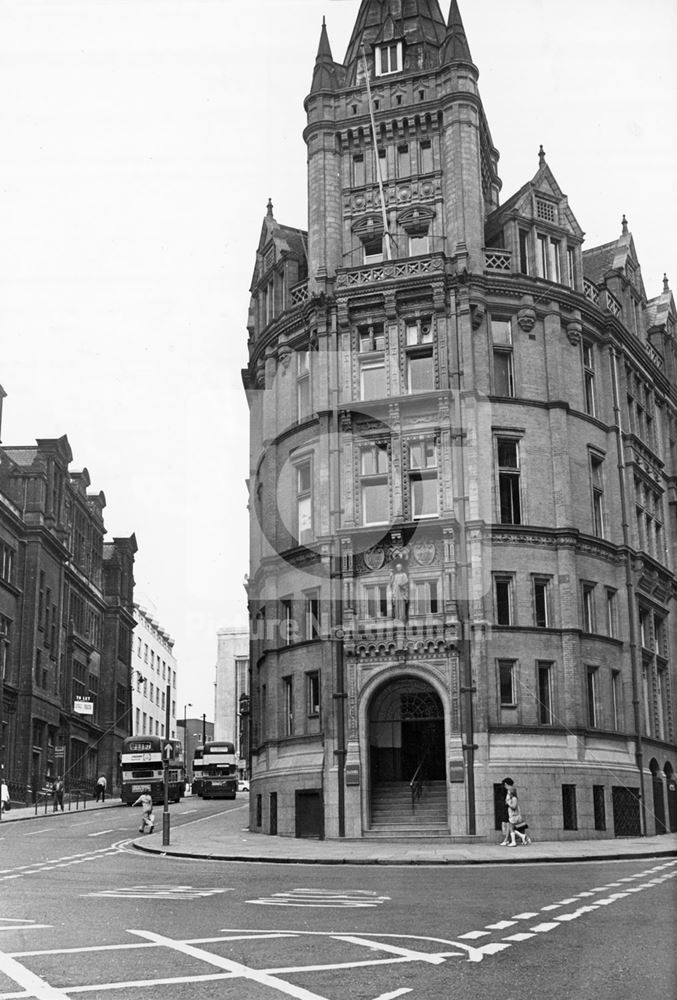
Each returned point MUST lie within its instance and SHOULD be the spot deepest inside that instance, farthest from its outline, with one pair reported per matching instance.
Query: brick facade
(66, 624)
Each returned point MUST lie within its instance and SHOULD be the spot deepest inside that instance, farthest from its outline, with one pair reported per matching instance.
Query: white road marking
(542, 928)
(473, 935)
(500, 926)
(322, 898)
(234, 967)
(100, 833)
(553, 906)
(412, 956)
(522, 936)
(524, 916)
(36, 833)
(34, 986)
(393, 996)
(185, 892)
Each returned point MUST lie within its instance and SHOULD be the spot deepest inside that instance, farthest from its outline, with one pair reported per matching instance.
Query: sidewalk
(28, 812)
(225, 837)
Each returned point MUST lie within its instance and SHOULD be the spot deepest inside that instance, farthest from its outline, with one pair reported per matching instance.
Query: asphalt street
(84, 914)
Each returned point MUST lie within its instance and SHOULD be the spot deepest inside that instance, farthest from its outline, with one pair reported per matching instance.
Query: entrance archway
(406, 732)
(658, 800)
(672, 795)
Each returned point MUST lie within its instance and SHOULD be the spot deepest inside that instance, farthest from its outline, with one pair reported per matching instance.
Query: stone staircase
(392, 815)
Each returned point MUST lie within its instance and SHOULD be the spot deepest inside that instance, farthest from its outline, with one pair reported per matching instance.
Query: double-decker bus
(219, 771)
(142, 767)
(196, 786)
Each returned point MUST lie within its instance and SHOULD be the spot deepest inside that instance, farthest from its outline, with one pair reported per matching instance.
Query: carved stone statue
(399, 587)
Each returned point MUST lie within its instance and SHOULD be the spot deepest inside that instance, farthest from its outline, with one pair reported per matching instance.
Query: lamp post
(185, 735)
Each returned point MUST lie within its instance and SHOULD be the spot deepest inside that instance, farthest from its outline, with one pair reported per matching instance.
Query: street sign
(83, 706)
(59, 753)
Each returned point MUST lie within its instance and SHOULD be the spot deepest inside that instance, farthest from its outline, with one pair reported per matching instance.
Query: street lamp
(185, 731)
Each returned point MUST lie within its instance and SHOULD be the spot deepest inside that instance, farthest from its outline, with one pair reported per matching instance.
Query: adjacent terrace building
(66, 601)
(463, 481)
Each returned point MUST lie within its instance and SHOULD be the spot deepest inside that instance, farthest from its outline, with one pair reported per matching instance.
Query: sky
(141, 140)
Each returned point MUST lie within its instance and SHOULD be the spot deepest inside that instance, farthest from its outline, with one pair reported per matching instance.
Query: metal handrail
(416, 783)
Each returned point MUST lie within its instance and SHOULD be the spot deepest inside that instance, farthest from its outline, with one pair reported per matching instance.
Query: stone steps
(392, 813)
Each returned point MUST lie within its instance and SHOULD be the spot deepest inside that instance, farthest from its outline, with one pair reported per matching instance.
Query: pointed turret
(324, 74)
(417, 24)
(455, 48)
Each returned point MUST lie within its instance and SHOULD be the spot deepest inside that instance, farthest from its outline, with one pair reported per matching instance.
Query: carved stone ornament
(574, 331)
(477, 313)
(284, 358)
(374, 558)
(424, 553)
(526, 319)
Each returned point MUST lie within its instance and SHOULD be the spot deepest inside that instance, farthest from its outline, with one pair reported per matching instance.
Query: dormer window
(388, 58)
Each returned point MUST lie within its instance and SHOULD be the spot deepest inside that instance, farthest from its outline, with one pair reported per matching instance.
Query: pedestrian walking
(4, 797)
(147, 819)
(57, 793)
(516, 822)
(101, 788)
(505, 822)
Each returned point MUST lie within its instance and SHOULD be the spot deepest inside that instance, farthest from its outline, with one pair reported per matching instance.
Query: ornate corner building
(463, 482)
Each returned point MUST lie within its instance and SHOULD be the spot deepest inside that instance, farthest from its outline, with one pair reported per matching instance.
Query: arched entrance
(658, 800)
(405, 721)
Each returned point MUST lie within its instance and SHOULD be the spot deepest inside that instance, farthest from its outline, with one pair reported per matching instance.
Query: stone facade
(154, 671)
(463, 482)
(231, 691)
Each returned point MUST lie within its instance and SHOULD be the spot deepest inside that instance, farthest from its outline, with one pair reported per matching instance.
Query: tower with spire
(463, 476)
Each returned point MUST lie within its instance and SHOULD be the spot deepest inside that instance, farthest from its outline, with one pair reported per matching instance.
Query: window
(544, 679)
(506, 683)
(302, 384)
(426, 165)
(541, 586)
(503, 599)
(597, 487)
(419, 244)
(569, 814)
(383, 164)
(420, 370)
(646, 697)
(509, 481)
(424, 597)
(359, 176)
(373, 249)
(373, 379)
(304, 500)
(311, 615)
(617, 699)
(313, 693)
(547, 258)
(611, 614)
(598, 807)
(388, 58)
(287, 706)
(6, 563)
(588, 378)
(371, 338)
(589, 607)
(403, 161)
(418, 331)
(593, 696)
(524, 251)
(571, 267)
(377, 600)
(374, 484)
(423, 478)
(288, 624)
(501, 335)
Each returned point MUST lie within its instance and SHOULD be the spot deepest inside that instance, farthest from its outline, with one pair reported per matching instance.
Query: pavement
(225, 836)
